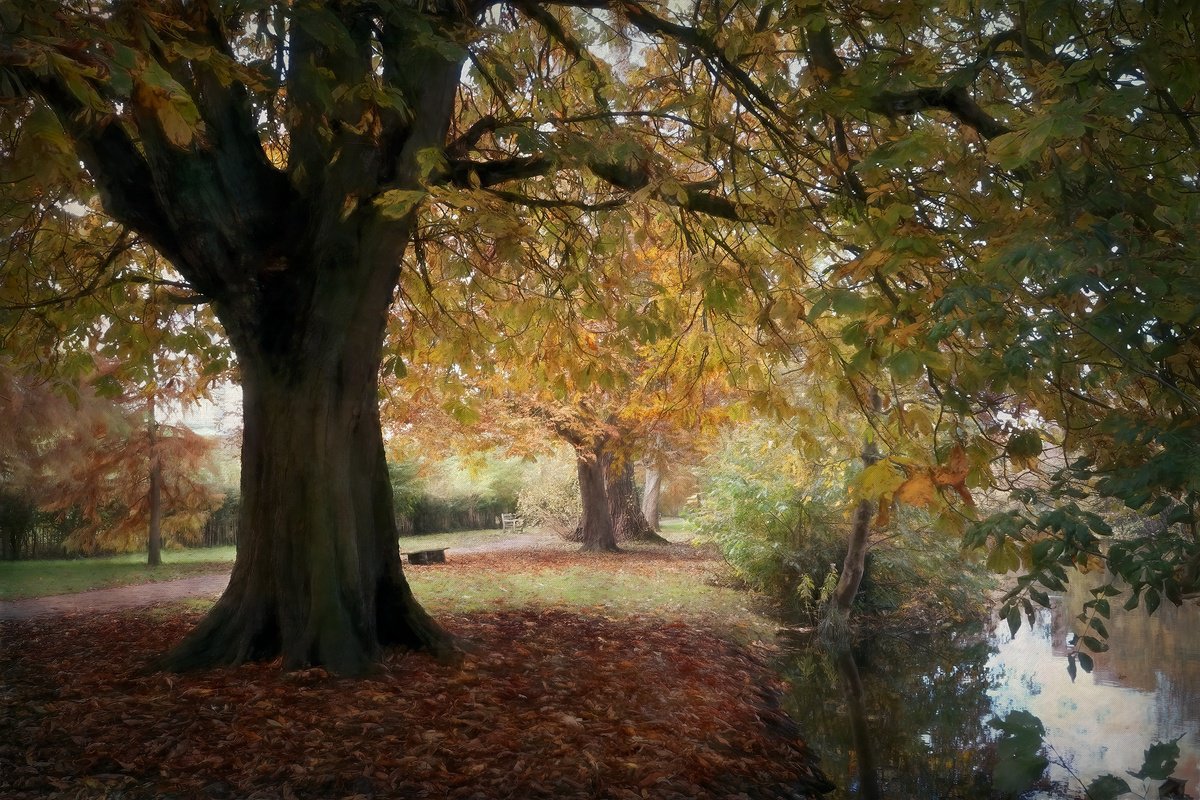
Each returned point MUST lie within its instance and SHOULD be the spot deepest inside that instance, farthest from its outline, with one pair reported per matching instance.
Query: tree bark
(628, 522)
(318, 578)
(154, 543)
(650, 497)
(300, 269)
(854, 565)
(856, 553)
(596, 525)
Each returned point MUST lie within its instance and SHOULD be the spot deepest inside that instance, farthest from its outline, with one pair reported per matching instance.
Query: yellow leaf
(919, 490)
(879, 480)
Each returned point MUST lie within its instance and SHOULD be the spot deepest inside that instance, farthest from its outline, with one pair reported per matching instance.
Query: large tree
(984, 163)
(276, 154)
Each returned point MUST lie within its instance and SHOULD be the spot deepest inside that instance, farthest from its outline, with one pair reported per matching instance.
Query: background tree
(602, 357)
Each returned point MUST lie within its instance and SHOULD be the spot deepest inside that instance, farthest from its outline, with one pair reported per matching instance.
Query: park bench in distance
(511, 522)
(436, 556)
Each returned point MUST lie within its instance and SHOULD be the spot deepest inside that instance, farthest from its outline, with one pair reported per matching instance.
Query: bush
(782, 524)
(550, 497)
(775, 521)
(458, 493)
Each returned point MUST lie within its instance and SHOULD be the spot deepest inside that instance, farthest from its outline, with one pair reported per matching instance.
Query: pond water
(908, 718)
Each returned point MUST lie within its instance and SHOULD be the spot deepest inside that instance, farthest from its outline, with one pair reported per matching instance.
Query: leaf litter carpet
(551, 704)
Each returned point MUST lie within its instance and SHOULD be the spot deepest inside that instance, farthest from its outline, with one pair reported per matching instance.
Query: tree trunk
(317, 578)
(856, 559)
(596, 525)
(650, 497)
(628, 522)
(854, 566)
(300, 264)
(154, 543)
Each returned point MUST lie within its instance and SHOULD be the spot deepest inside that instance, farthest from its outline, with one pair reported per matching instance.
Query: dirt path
(211, 585)
(135, 596)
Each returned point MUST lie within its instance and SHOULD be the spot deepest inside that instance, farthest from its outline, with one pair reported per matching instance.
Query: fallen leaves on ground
(551, 704)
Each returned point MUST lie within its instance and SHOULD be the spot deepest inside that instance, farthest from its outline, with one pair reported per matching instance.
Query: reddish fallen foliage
(552, 705)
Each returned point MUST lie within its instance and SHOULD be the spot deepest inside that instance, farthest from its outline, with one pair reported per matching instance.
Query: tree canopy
(984, 213)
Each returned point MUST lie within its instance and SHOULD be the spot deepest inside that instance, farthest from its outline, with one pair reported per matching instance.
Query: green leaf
(1086, 661)
(1013, 618)
(1019, 762)
(1024, 444)
(324, 26)
(1152, 600)
(399, 203)
(847, 303)
(1159, 761)
(1107, 787)
(904, 364)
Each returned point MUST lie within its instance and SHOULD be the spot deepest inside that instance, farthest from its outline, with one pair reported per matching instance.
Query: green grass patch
(677, 529)
(20, 579)
(605, 590)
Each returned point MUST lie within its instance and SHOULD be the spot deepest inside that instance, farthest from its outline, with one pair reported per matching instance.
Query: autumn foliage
(547, 704)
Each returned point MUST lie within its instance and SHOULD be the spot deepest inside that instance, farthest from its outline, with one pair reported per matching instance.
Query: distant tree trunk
(595, 525)
(854, 565)
(650, 497)
(154, 544)
(628, 522)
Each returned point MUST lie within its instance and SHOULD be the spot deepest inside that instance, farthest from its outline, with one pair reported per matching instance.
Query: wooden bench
(437, 556)
(511, 521)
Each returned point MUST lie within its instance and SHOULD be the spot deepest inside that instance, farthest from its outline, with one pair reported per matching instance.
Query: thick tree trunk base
(245, 627)
(600, 547)
(644, 536)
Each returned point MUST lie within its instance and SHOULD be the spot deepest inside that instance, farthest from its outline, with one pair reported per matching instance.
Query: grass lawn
(672, 584)
(435, 541)
(64, 576)
(645, 581)
(20, 579)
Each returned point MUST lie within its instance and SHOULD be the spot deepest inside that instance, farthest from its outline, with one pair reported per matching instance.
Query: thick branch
(626, 176)
(121, 172)
(953, 99)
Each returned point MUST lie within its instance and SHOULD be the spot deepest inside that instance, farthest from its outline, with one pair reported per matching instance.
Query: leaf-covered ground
(552, 703)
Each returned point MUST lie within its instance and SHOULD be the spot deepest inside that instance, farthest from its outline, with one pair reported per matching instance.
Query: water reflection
(909, 718)
(1146, 688)
(898, 718)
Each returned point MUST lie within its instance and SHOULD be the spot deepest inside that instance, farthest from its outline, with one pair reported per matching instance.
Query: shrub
(774, 519)
(550, 497)
(457, 493)
(782, 524)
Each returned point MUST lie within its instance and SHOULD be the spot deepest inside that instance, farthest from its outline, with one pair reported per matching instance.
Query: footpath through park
(210, 585)
(116, 598)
